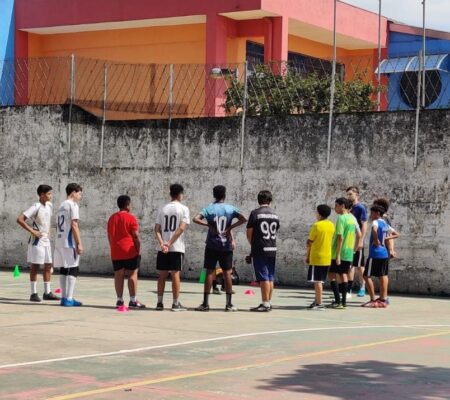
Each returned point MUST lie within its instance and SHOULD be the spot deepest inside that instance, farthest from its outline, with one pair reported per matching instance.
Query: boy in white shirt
(39, 248)
(68, 247)
(169, 231)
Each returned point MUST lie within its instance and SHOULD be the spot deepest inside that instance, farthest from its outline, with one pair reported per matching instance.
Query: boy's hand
(248, 259)
(360, 246)
(37, 234)
(338, 260)
(233, 245)
(307, 259)
(80, 248)
(164, 248)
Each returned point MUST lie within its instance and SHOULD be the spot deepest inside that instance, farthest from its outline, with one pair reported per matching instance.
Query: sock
(363, 285)
(160, 299)
(33, 285)
(133, 298)
(206, 299)
(229, 298)
(350, 286)
(266, 303)
(62, 283)
(47, 289)
(119, 298)
(175, 301)
(71, 286)
(343, 289)
(334, 287)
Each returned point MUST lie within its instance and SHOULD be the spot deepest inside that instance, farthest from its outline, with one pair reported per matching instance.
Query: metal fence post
(419, 101)
(104, 115)
(72, 97)
(333, 88)
(244, 112)
(169, 127)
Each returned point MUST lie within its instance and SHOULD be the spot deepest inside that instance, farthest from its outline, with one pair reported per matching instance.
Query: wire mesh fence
(131, 91)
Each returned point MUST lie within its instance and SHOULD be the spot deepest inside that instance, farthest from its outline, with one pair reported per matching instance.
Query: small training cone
(57, 291)
(249, 292)
(122, 309)
(16, 272)
(254, 283)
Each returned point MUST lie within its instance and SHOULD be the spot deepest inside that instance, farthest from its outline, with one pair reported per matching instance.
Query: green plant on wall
(292, 92)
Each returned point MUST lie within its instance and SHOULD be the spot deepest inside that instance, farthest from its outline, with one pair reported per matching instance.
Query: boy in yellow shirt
(318, 253)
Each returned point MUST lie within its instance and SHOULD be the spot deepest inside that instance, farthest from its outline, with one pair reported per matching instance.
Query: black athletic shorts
(358, 259)
(377, 267)
(130, 264)
(224, 258)
(317, 273)
(340, 269)
(171, 261)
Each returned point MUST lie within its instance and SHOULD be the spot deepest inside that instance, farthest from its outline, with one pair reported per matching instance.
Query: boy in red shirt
(125, 243)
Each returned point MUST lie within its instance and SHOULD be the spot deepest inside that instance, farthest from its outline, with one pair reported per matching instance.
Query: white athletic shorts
(66, 258)
(39, 254)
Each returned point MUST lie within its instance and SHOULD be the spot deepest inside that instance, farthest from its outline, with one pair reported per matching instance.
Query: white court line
(215, 339)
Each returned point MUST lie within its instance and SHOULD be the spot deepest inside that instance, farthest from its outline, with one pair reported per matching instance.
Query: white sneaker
(349, 295)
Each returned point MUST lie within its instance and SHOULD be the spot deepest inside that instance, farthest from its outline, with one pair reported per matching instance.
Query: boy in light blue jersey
(218, 217)
(378, 261)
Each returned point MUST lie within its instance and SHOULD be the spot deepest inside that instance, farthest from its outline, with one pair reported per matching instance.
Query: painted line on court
(242, 367)
(214, 339)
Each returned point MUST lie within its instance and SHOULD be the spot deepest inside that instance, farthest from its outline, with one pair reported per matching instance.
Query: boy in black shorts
(346, 237)
(218, 218)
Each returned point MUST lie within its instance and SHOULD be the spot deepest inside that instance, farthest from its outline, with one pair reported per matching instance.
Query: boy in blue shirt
(218, 218)
(378, 261)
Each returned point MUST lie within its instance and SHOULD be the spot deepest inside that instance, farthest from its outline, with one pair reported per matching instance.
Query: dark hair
(342, 201)
(219, 192)
(73, 187)
(353, 189)
(42, 189)
(264, 197)
(383, 203)
(323, 210)
(175, 190)
(123, 201)
(378, 209)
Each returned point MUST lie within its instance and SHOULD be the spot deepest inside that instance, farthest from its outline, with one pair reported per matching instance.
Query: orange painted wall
(167, 44)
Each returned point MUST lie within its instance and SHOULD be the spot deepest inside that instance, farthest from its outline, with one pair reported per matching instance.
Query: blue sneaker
(361, 292)
(63, 301)
(71, 303)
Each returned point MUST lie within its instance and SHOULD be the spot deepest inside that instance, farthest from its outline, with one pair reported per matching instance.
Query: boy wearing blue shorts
(262, 228)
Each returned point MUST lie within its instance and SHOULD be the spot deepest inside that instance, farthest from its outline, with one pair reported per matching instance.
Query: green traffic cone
(202, 276)
(16, 273)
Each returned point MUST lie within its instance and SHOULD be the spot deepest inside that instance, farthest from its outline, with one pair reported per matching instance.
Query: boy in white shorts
(39, 247)
(68, 247)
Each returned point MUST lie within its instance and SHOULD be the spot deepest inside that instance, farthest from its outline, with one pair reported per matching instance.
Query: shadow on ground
(365, 379)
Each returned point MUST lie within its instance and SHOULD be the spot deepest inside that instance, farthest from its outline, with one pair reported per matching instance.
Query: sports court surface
(95, 352)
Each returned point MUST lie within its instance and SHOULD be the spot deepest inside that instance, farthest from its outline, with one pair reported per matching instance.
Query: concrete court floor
(95, 352)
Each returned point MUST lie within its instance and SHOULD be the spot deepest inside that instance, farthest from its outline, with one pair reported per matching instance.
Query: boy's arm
(136, 240)
(376, 242)
(200, 220)
(158, 235)
(241, 220)
(21, 221)
(177, 234)
(309, 242)
(363, 235)
(76, 235)
(340, 239)
(250, 235)
(358, 240)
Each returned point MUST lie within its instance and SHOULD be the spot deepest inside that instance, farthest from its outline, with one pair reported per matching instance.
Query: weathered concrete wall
(285, 155)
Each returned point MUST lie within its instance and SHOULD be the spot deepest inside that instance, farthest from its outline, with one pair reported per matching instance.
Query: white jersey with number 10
(170, 217)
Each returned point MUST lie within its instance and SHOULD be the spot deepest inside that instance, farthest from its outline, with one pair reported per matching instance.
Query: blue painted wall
(6, 52)
(404, 45)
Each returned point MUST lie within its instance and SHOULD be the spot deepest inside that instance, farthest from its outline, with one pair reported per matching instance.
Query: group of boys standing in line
(331, 251)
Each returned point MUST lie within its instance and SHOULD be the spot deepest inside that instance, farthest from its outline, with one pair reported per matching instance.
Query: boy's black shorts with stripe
(377, 267)
(317, 273)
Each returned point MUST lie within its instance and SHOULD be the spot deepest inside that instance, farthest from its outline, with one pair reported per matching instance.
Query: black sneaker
(50, 296)
(261, 308)
(178, 307)
(159, 307)
(136, 304)
(35, 297)
(315, 306)
(202, 307)
(119, 303)
(230, 307)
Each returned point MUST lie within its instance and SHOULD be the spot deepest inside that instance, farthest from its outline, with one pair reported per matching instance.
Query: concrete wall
(285, 155)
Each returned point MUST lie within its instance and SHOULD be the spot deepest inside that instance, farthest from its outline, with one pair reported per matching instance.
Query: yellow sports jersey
(321, 235)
